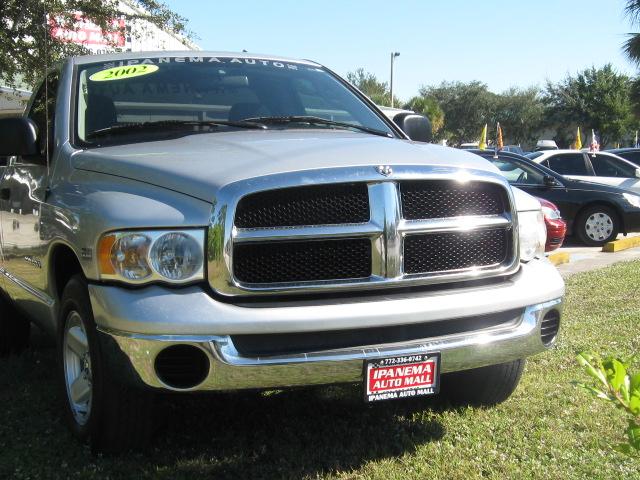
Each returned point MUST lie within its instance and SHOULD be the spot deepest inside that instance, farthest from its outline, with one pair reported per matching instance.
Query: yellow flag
(482, 144)
(499, 142)
(578, 143)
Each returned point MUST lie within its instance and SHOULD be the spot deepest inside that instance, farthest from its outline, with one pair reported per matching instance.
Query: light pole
(393, 56)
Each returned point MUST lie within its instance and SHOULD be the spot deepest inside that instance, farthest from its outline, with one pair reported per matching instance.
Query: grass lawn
(548, 429)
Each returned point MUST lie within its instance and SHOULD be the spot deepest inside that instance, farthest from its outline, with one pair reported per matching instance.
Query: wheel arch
(64, 264)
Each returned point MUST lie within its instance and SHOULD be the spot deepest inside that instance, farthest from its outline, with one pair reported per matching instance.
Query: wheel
(597, 225)
(484, 386)
(14, 330)
(99, 409)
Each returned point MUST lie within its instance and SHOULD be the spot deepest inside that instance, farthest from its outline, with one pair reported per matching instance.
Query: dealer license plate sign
(402, 377)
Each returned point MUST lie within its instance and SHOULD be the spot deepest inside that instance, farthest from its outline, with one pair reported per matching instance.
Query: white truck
(205, 221)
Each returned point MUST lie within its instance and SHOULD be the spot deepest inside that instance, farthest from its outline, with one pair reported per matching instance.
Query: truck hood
(199, 165)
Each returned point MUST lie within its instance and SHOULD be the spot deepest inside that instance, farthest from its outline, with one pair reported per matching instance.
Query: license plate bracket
(403, 376)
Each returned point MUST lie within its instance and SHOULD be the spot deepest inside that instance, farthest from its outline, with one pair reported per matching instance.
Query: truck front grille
(442, 252)
(441, 199)
(368, 233)
(303, 261)
(309, 205)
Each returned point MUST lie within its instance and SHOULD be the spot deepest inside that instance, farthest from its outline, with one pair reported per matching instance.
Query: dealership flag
(482, 144)
(636, 144)
(595, 146)
(500, 143)
(578, 143)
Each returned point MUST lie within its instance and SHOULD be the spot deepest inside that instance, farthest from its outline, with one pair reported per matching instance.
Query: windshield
(208, 89)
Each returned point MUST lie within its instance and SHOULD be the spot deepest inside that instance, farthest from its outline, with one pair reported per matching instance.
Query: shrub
(614, 383)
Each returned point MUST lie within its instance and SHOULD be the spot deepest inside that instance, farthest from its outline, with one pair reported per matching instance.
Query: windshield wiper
(164, 124)
(315, 121)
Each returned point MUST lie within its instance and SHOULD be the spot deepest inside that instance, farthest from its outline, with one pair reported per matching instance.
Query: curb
(622, 244)
(559, 258)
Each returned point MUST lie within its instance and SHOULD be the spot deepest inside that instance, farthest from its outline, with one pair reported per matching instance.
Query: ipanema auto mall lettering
(397, 377)
(201, 59)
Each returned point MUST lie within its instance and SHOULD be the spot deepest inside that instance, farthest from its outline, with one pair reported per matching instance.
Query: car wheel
(99, 409)
(485, 386)
(597, 225)
(14, 329)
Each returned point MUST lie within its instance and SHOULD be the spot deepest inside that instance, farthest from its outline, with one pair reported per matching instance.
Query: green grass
(548, 429)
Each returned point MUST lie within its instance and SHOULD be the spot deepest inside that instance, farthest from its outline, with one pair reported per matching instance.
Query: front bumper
(157, 318)
(230, 371)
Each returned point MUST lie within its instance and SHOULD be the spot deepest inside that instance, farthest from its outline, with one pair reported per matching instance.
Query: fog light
(182, 366)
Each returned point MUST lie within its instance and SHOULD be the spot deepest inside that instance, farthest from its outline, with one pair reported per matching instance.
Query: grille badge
(384, 170)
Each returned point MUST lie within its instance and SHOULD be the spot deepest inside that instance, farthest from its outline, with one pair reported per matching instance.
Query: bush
(614, 383)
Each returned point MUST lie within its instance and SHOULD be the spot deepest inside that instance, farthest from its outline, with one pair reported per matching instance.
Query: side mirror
(637, 172)
(18, 136)
(417, 127)
(550, 181)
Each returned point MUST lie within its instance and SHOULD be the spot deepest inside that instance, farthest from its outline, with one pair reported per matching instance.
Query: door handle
(5, 194)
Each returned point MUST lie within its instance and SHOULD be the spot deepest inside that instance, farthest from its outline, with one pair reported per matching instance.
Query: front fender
(88, 204)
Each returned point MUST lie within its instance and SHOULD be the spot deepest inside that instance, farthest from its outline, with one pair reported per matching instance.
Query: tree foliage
(596, 98)
(373, 88)
(466, 106)
(632, 46)
(521, 114)
(26, 46)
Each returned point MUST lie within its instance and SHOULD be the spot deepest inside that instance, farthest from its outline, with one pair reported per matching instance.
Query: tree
(25, 41)
(632, 45)
(429, 107)
(520, 113)
(466, 106)
(596, 98)
(373, 88)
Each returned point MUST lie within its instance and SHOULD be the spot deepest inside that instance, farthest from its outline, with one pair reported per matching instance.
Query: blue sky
(502, 43)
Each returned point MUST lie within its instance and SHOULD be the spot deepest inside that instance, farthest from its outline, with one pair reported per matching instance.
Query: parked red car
(556, 226)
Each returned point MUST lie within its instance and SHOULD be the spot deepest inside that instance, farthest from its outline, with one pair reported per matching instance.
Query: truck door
(23, 191)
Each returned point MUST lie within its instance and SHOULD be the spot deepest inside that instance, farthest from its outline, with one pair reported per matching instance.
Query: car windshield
(219, 93)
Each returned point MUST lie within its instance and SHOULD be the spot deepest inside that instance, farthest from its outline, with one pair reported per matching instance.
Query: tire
(14, 329)
(486, 386)
(100, 410)
(597, 225)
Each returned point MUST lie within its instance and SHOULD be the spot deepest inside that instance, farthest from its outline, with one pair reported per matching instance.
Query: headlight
(532, 233)
(142, 257)
(551, 213)
(634, 200)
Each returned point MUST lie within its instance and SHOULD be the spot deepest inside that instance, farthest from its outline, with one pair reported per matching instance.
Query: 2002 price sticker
(120, 73)
(402, 377)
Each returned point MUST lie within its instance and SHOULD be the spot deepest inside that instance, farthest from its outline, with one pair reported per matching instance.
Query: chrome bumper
(230, 371)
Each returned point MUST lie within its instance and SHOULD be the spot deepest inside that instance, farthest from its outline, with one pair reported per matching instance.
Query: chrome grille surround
(386, 229)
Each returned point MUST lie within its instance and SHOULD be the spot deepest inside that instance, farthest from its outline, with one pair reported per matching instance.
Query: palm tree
(632, 46)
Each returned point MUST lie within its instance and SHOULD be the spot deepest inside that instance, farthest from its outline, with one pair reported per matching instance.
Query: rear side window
(633, 157)
(568, 164)
(606, 166)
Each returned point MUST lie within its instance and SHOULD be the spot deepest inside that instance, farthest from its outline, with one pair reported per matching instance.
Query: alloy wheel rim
(599, 226)
(77, 368)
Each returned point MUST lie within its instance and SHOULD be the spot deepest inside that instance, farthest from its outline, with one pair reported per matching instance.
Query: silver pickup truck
(211, 222)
